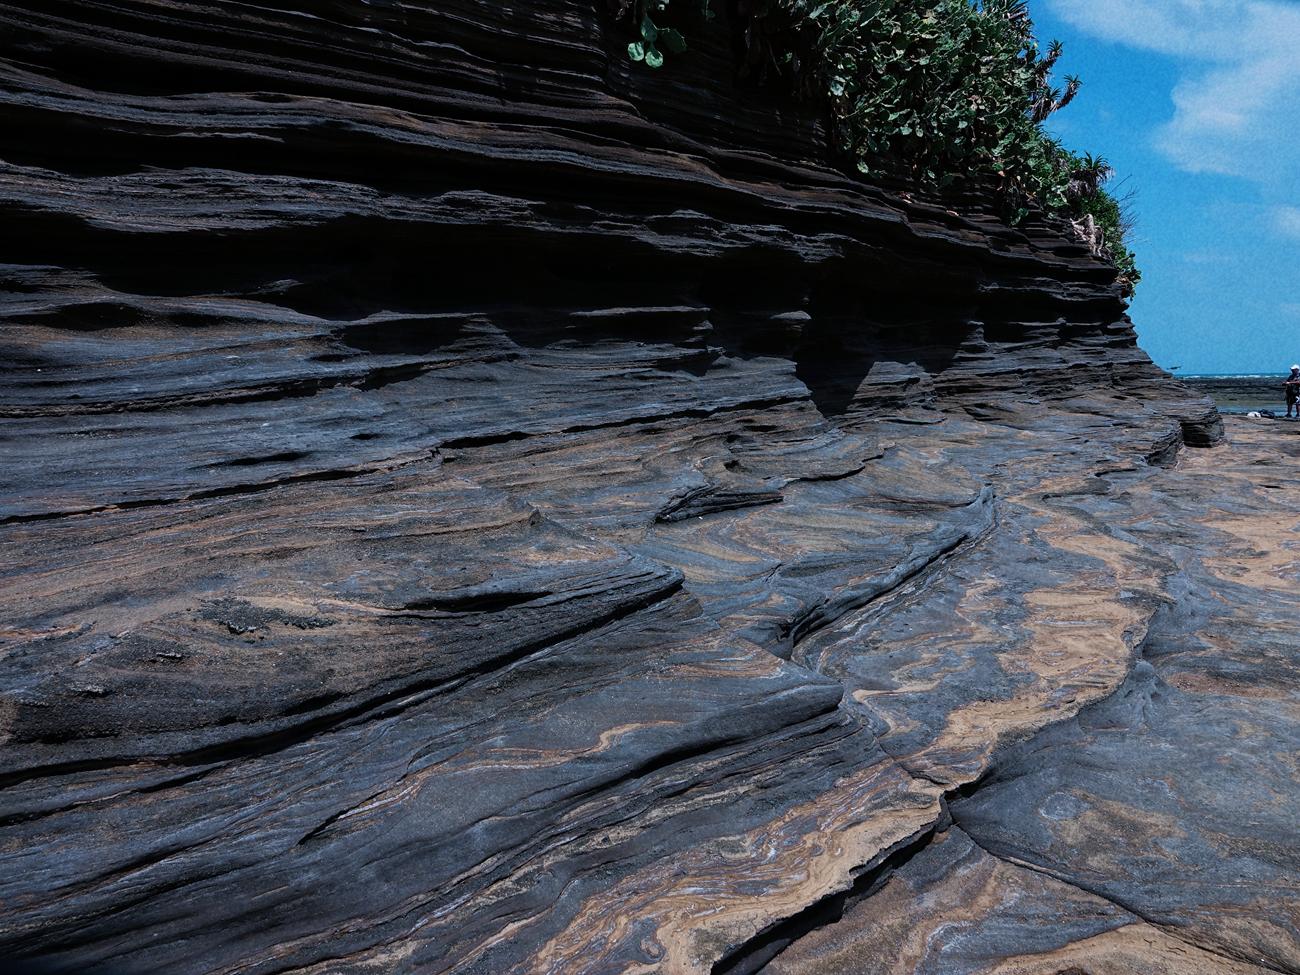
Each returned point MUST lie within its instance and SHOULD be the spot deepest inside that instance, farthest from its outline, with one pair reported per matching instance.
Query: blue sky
(1196, 103)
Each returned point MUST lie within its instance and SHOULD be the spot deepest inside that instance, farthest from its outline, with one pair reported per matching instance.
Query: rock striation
(472, 504)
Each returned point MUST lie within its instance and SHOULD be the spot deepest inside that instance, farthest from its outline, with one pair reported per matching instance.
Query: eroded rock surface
(1154, 830)
(474, 505)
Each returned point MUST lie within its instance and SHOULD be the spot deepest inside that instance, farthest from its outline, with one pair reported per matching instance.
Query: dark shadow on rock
(23, 966)
(404, 336)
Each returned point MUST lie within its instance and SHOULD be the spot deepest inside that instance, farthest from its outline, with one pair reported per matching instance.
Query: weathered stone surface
(1176, 796)
(953, 909)
(474, 505)
(1163, 814)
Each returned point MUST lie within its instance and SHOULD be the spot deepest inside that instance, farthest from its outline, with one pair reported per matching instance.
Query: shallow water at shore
(1241, 394)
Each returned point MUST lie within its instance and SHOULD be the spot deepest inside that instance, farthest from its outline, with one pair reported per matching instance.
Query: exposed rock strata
(474, 505)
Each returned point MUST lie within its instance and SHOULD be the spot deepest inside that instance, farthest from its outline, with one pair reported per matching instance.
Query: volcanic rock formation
(474, 504)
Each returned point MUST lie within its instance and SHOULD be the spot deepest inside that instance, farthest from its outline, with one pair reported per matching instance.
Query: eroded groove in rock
(952, 908)
(1199, 744)
(475, 505)
(1169, 797)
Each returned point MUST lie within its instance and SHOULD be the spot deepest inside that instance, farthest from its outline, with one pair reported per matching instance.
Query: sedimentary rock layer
(1153, 831)
(472, 504)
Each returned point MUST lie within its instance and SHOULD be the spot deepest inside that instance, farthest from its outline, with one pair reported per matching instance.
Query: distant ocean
(1241, 392)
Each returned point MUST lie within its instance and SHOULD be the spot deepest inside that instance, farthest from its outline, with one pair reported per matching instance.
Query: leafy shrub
(1098, 215)
(653, 38)
(935, 90)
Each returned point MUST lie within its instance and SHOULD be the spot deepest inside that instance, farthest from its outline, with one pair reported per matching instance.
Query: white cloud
(1287, 221)
(1237, 103)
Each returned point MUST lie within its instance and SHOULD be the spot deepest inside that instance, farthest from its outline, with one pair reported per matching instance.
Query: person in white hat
(1292, 387)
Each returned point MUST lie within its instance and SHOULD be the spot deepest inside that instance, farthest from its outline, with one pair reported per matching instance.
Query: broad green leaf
(672, 40)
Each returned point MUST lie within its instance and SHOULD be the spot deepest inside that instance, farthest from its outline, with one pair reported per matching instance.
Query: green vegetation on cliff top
(934, 90)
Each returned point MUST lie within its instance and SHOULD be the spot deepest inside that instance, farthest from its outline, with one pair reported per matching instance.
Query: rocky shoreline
(474, 505)
(1242, 394)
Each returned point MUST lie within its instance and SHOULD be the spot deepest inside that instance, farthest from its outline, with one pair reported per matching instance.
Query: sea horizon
(1225, 375)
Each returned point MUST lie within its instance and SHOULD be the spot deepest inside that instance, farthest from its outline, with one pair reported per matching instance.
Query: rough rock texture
(474, 505)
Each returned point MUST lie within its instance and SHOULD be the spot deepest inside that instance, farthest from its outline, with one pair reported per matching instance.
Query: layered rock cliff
(473, 504)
